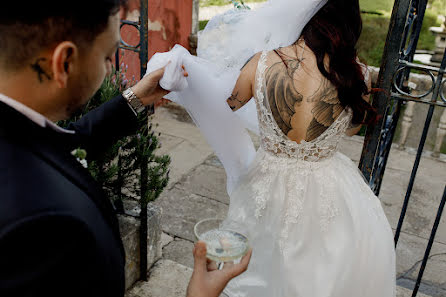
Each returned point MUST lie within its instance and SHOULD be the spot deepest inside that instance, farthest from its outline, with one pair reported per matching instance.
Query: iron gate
(142, 49)
(404, 31)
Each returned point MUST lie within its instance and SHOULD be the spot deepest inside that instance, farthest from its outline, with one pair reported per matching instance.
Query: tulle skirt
(316, 229)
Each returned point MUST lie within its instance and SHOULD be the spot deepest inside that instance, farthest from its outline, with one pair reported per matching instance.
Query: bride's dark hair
(334, 32)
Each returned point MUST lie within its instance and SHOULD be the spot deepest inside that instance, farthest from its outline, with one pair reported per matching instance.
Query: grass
(384, 6)
(372, 40)
(202, 24)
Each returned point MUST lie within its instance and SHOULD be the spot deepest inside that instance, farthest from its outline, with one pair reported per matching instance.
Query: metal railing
(404, 31)
(142, 49)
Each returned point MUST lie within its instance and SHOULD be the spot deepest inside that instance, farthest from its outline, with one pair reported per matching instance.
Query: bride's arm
(244, 88)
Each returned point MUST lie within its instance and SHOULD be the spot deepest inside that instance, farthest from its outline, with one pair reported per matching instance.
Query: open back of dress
(297, 119)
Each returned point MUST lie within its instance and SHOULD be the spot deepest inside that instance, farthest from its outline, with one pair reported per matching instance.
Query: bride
(316, 227)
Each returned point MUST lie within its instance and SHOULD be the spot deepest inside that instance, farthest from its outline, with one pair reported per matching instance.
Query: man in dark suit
(58, 232)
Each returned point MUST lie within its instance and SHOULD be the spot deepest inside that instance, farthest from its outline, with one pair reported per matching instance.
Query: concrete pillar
(406, 123)
(441, 132)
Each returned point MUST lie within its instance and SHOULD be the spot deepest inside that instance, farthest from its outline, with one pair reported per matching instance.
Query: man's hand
(148, 89)
(207, 280)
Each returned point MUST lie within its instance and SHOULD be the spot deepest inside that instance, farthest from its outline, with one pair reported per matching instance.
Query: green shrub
(124, 161)
(371, 43)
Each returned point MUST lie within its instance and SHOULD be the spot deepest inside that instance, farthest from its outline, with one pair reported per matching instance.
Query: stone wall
(129, 226)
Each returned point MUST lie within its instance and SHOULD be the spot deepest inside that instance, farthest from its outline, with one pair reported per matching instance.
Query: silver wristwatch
(133, 101)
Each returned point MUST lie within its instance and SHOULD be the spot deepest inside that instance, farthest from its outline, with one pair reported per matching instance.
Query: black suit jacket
(59, 235)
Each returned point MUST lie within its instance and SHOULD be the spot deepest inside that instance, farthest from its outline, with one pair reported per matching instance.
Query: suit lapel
(55, 149)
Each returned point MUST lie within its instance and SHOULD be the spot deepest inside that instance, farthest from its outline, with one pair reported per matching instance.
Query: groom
(58, 232)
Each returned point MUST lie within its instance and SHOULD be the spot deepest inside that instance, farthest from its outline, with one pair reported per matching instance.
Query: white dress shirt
(33, 115)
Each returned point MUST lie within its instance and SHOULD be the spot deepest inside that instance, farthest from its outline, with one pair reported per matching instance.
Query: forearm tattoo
(233, 102)
(284, 98)
(39, 70)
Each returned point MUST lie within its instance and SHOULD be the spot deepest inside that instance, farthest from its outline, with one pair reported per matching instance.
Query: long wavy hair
(333, 32)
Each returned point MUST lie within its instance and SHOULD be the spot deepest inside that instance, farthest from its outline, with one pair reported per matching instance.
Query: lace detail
(295, 190)
(328, 210)
(275, 141)
(298, 169)
(278, 152)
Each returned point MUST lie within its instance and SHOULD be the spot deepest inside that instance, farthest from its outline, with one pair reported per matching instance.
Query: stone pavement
(197, 190)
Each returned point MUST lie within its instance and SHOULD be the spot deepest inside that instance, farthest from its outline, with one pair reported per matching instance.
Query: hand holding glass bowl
(223, 245)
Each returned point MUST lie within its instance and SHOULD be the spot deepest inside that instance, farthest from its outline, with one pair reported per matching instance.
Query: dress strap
(261, 67)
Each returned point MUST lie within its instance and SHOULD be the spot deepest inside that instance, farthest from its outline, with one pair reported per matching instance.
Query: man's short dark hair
(27, 27)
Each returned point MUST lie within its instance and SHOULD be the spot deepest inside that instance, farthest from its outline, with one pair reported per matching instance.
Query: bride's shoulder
(250, 68)
(253, 61)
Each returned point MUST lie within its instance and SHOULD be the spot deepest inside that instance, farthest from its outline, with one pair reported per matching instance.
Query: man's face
(95, 62)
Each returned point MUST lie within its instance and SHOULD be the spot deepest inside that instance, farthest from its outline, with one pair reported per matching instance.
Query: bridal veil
(224, 46)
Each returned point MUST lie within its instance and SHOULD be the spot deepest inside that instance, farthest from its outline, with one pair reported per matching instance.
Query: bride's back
(309, 84)
(302, 101)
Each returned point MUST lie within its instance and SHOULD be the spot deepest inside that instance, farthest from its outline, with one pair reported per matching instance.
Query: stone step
(403, 292)
(170, 279)
(167, 279)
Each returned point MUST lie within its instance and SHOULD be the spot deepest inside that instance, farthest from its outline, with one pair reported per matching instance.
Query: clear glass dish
(222, 245)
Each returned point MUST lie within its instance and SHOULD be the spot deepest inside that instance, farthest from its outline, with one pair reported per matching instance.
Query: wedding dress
(316, 228)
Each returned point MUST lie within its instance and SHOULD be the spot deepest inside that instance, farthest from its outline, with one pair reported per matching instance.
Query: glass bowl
(223, 245)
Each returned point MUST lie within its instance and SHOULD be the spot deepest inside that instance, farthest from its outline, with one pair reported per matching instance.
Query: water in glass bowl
(224, 245)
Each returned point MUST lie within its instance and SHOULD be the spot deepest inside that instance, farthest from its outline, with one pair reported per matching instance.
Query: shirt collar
(33, 115)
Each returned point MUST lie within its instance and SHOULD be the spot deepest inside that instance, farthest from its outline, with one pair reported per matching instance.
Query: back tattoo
(283, 98)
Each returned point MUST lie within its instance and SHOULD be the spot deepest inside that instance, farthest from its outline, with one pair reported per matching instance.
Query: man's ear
(64, 61)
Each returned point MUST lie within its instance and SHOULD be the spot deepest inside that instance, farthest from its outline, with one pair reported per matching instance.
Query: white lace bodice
(274, 141)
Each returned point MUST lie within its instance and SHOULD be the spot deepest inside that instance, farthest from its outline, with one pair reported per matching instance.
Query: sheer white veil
(226, 43)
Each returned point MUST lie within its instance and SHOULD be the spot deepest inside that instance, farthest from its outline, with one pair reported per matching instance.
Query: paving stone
(167, 143)
(185, 157)
(182, 210)
(403, 292)
(169, 125)
(435, 270)
(167, 279)
(352, 147)
(178, 112)
(410, 251)
(165, 239)
(423, 204)
(214, 161)
(404, 160)
(180, 251)
(182, 141)
(208, 181)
